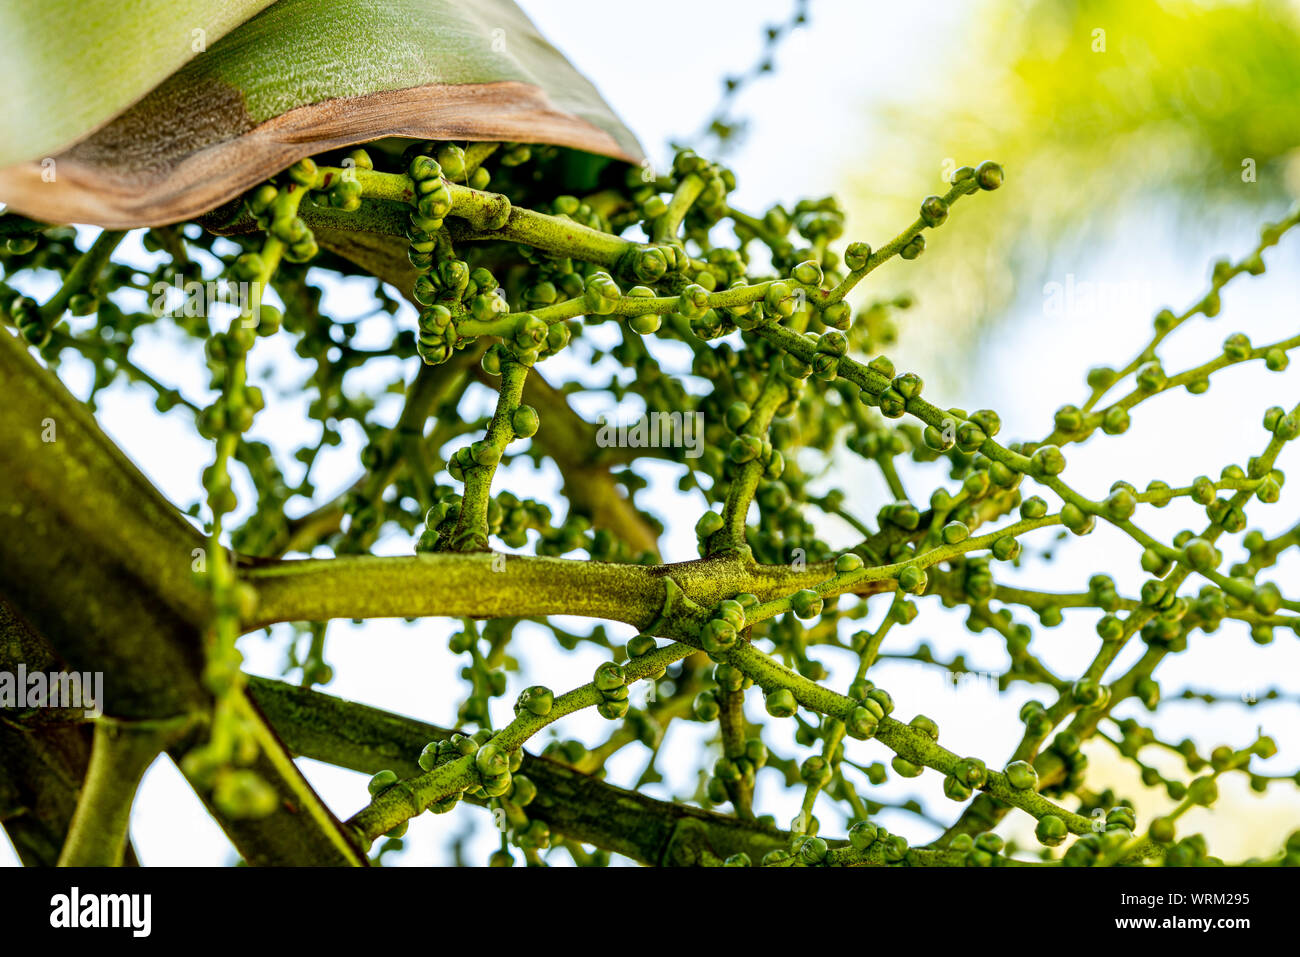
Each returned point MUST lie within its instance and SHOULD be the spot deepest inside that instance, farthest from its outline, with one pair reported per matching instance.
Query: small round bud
(382, 782)
(780, 703)
(536, 700)
(1021, 775)
(525, 421)
(988, 175)
(1048, 460)
(1051, 830)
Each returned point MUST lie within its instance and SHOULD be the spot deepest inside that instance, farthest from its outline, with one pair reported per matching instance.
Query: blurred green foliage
(1100, 108)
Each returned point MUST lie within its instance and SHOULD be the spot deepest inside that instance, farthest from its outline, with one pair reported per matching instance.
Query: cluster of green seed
(759, 303)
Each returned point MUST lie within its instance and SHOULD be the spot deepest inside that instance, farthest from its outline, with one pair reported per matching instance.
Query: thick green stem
(120, 756)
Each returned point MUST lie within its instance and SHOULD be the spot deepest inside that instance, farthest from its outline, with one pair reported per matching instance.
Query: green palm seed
(645, 324)
(1237, 347)
(1203, 791)
(1051, 830)
(612, 710)
(706, 707)
(971, 772)
(641, 645)
(732, 612)
(807, 274)
(1021, 775)
(895, 848)
(806, 604)
(382, 782)
(536, 700)
(738, 413)
(955, 789)
(856, 256)
(933, 211)
(908, 385)
(905, 768)
(492, 761)
(429, 756)
(1115, 421)
(955, 532)
(838, 315)
(970, 437)
(990, 842)
(862, 835)
(1076, 519)
(1090, 693)
(912, 579)
(728, 677)
(1266, 598)
(872, 706)
(717, 636)
(927, 726)
(937, 440)
(608, 676)
(780, 703)
(988, 175)
(861, 723)
(815, 771)
(814, 850)
(1006, 549)
(1162, 830)
(1120, 505)
(779, 299)
(913, 249)
(1048, 460)
(848, 562)
(1068, 419)
(1033, 508)
(710, 523)
(1155, 563)
(1200, 555)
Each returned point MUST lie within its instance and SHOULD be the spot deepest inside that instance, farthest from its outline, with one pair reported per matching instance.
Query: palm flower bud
(988, 175)
(1090, 693)
(536, 700)
(705, 707)
(912, 579)
(1021, 775)
(807, 273)
(717, 636)
(1051, 830)
(933, 211)
(806, 604)
(525, 421)
(926, 726)
(780, 703)
(382, 782)
(601, 294)
(641, 645)
(608, 677)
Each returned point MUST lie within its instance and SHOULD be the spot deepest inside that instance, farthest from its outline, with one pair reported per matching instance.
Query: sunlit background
(1141, 142)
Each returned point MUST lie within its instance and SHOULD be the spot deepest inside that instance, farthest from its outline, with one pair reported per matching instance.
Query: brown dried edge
(100, 194)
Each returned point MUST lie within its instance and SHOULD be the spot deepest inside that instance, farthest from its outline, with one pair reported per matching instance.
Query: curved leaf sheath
(305, 76)
(78, 64)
